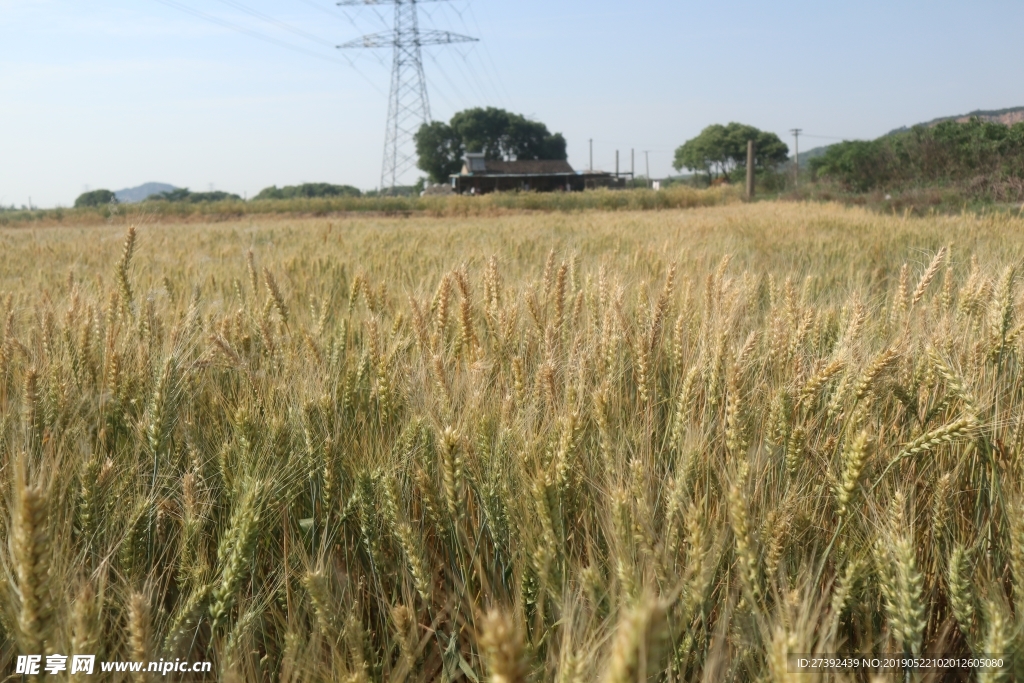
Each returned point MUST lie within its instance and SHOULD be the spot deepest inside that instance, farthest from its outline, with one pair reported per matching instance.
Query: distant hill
(806, 155)
(133, 195)
(1005, 116)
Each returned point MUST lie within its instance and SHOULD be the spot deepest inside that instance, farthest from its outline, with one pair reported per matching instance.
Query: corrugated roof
(531, 166)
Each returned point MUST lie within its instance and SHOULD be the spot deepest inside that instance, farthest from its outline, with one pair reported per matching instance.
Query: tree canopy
(95, 198)
(440, 150)
(719, 150)
(497, 133)
(182, 194)
(307, 191)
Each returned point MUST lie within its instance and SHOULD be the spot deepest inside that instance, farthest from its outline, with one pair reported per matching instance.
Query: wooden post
(796, 142)
(750, 169)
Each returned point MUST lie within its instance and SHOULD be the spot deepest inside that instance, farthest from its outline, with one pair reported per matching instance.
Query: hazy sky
(114, 93)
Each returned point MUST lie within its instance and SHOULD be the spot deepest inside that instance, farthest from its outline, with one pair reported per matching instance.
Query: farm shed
(481, 175)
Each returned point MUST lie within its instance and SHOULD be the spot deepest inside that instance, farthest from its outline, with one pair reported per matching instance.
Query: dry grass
(670, 446)
(495, 204)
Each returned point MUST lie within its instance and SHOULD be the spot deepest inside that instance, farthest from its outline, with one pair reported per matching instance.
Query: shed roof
(523, 167)
(529, 166)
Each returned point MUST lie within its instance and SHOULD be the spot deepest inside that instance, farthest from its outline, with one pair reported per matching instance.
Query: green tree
(439, 149)
(720, 150)
(497, 133)
(859, 165)
(95, 198)
(705, 153)
(527, 139)
(307, 191)
(483, 130)
(769, 150)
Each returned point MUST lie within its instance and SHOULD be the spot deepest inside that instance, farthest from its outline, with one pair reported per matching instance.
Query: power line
(280, 24)
(491, 79)
(383, 20)
(457, 91)
(347, 17)
(265, 38)
(362, 75)
(408, 104)
(495, 97)
(483, 86)
(241, 29)
(823, 137)
(433, 86)
(487, 51)
(472, 83)
(796, 141)
(621, 143)
(318, 6)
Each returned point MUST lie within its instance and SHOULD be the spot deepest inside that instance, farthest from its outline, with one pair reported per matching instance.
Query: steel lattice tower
(408, 104)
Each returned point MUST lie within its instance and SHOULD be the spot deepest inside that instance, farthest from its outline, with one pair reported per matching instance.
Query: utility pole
(408, 105)
(632, 165)
(750, 169)
(591, 154)
(796, 147)
(616, 163)
(647, 163)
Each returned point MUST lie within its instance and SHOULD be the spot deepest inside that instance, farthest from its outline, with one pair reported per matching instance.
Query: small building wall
(562, 182)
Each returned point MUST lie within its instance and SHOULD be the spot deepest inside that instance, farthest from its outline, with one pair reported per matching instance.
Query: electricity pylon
(408, 104)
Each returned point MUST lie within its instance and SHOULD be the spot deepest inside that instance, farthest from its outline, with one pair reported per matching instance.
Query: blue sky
(114, 93)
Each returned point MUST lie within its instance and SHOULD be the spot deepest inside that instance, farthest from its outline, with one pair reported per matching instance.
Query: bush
(183, 195)
(95, 198)
(308, 190)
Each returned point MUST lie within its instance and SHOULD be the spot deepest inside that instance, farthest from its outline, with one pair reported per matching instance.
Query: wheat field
(675, 445)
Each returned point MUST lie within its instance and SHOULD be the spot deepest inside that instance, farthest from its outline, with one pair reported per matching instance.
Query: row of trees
(184, 195)
(181, 194)
(718, 151)
(499, 134)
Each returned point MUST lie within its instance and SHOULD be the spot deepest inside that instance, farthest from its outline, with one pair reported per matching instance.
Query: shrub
(95, 198)
(308, 191)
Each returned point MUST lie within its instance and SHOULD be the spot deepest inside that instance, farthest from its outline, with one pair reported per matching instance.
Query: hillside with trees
(982, 159)
(1007, 117)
